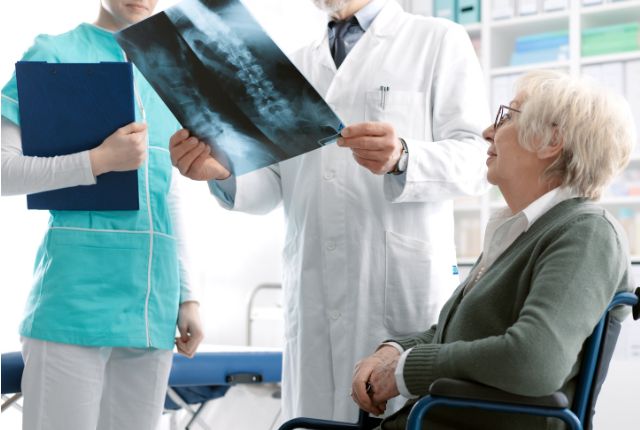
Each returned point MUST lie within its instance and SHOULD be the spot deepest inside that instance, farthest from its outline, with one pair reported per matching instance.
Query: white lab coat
(368, 257)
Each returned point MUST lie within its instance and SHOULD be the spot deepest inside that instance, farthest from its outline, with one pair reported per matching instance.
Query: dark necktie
(344, 35)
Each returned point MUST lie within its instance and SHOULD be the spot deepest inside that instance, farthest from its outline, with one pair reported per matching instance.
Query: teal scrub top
(107, 278)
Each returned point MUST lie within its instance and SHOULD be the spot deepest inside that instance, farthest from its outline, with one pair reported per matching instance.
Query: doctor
(369, 221)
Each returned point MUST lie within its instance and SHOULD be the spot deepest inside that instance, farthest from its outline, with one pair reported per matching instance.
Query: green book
(610, 39)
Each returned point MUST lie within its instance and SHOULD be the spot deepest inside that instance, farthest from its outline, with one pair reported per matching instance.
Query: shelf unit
(496, 39)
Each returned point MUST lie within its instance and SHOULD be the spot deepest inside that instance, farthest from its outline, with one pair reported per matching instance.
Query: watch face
(404, 160)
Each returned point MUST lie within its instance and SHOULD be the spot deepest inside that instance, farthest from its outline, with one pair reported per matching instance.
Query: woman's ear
(554, 148)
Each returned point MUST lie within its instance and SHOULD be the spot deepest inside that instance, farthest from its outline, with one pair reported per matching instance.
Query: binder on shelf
(501, 9)
(445, 9)
(553, 5)
(66, 108)
(468, 11)
(527, 7)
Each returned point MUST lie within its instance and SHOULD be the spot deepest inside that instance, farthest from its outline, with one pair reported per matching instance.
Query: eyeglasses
(504, 114)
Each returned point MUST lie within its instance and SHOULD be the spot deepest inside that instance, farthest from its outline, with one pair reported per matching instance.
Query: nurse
(369, 222)
(100, 321)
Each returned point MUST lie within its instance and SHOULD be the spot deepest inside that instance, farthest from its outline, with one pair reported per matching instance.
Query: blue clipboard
(71, 107)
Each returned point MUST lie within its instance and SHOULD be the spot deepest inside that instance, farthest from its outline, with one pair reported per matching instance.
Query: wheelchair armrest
(364, 422)
(460, 389)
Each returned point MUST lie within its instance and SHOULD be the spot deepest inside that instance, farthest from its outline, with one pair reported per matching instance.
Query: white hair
(595, 126)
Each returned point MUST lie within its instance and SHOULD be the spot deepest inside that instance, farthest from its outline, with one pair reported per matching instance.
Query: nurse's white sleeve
(453, 164)
(187, 292)
(26, 175)
(257, 192)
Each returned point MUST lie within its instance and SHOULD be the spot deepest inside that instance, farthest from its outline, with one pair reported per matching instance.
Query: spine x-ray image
(227, 82)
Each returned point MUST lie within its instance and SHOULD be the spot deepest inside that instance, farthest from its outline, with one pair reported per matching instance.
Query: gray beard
(331, 6)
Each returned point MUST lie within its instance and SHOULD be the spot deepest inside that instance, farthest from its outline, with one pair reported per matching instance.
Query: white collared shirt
(502, 230)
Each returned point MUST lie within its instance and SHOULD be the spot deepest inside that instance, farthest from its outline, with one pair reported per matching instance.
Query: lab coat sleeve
(257, 192)
(538, 352)
(453, 164)
(187, 292)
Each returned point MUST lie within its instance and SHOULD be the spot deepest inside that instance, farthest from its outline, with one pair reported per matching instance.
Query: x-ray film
(228, 83)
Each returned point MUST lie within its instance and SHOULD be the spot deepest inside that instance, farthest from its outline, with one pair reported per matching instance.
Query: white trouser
(71, 387)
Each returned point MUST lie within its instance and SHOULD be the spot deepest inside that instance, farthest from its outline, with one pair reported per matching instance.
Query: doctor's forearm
(257, 192)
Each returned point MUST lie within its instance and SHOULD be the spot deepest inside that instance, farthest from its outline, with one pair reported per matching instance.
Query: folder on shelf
(553, 5)
(527, 7)
(71, 107)
(611, 39)
(468, 11)
(445, 9)
(542, 41)
(541, 48)
(501, 9)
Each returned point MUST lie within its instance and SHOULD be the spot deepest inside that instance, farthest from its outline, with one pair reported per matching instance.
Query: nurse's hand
(375, 145)
(374, 380)
(125, 149)
(190, 328)
(193, 158)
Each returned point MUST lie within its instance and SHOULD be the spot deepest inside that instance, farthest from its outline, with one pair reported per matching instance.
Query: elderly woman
(551, 263)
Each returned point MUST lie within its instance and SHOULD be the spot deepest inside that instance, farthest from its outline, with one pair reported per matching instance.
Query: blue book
(71, 107)
(541, 41)
(539, 56)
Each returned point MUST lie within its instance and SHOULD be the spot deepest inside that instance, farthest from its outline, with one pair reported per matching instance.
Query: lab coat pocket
(405, 110)
(411, 267)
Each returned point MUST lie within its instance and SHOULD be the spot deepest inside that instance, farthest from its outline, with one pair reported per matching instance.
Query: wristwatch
(401, 166)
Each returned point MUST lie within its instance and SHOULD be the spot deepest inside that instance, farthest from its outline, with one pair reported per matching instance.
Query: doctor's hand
(193, 158)
(375, 145)
(125, 149)
(190, 328)
(374, 380)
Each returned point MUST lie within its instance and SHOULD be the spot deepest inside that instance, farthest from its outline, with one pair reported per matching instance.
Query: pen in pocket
(384, 90)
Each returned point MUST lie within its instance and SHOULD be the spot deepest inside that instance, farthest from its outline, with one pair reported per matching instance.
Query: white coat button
(329, 175)
(334, 315)
(331, 245)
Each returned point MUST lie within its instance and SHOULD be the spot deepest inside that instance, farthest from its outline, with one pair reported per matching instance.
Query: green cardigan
(522, 326)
